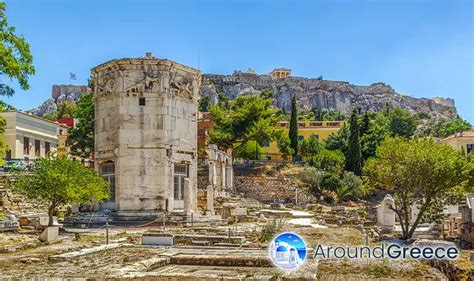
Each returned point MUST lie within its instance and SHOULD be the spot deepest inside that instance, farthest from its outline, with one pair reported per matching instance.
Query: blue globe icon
(288, 251)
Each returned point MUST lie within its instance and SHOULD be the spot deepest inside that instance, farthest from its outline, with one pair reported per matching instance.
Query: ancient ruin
(146, 134)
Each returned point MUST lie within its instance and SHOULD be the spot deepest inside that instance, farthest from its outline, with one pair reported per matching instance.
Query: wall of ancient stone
(146, 112)
(271, 189)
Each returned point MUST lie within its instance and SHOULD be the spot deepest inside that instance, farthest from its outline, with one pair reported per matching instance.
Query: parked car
(14, 166)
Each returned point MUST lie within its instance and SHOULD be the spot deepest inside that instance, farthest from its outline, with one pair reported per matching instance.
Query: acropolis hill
(311, 93)
(316, 93)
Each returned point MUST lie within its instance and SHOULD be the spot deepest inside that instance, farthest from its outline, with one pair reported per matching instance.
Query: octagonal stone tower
(146, 133)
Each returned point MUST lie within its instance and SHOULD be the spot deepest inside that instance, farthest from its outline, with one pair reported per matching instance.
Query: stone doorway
(180, 173)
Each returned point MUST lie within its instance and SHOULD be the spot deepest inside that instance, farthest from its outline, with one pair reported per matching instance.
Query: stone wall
(466, 226)
(323, 94)
(451, 271)
(271, 189)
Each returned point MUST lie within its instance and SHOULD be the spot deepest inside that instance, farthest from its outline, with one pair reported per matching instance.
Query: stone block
(338, 209)
(44, 220)
(238, 212)
(158, 239)
(49, 234)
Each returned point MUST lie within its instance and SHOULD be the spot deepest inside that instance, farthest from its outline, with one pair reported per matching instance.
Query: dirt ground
(34, 262)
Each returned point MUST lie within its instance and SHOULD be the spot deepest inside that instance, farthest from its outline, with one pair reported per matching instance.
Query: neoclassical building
(146, 133)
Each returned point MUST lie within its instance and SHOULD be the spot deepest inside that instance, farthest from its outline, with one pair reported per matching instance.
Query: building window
(37, 148)
(316, 124)
(26, 146)
(8, 156)
(469, 147)
(181, 169)
(47, 149)
(141, 101)
(107, 171)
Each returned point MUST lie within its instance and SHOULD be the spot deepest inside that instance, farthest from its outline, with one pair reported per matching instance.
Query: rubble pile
(271, 189)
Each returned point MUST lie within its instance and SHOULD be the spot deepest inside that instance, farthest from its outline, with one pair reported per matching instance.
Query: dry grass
(376, 269)
(332, 236)
(464, 261)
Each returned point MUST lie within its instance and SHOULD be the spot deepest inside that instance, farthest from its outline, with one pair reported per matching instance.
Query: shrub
(350, 185)
(311, 177)
(329, 160)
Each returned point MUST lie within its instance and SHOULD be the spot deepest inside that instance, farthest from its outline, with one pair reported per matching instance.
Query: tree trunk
(407, 221)
(256, 151)
(51, 210)
(418, 218)
(404, 227)
(234, 151)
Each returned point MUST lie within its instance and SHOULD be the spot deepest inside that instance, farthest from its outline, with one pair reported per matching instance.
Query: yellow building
(321, 129)
(462, 140)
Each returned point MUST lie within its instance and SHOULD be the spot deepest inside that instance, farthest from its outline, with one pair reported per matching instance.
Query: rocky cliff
(323, 94)
(310, 93)
(59, 94)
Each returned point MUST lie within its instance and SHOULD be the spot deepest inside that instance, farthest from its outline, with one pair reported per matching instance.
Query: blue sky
(420, 48)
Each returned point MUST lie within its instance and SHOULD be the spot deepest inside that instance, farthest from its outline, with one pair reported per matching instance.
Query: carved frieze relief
(181, 86)
(148, 82)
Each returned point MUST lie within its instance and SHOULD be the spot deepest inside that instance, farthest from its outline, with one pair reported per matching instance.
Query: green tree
(293, 132)
(329, 160)
(81, 138)
(204, 104)
(59, 182)
(330, 181)
(364, 124)
(338, 141)
(284, 145)
(452, 126)
(354, 156)
(250, 150)
(328, 115)
(247, 118)
(223, 100)
(349, 186)
(422, 171)
(3, 145)
(65, 109)
(311, 177)
(402, 123)
(15, 57)
(372, 139)
(310, 146)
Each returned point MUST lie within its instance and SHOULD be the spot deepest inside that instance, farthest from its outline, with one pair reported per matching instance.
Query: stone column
(223, 178)
(212, 173)
(210, 198)
(188, 204)
(229, 178)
